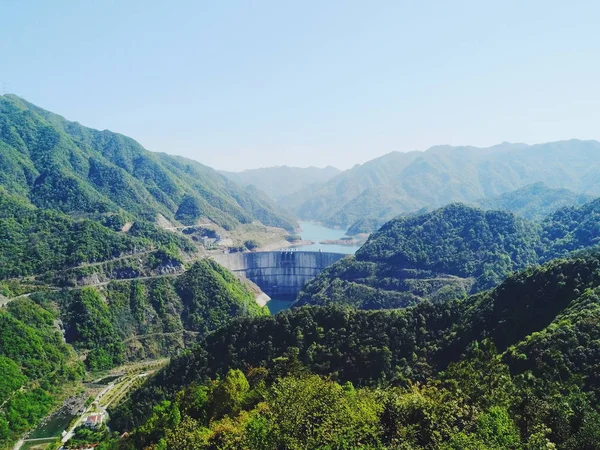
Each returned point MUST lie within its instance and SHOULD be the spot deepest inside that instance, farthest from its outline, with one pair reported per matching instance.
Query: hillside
(62, 165)
(404, 182)
(278, 182)
(512, 368)
(36, 241)
(37, 366)
(49, 340)
(449, 252)
(534, 201)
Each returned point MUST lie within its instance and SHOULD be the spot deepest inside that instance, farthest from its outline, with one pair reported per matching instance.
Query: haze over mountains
(278, 182)
(406, 182)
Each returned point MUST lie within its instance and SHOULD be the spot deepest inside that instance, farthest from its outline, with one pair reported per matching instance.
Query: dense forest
(534, 201)
(35, 364)
(149, 318)
(104, 327)
(62, 165)
(511, 368)
(35, 241)
(449, 252)
(402, 182)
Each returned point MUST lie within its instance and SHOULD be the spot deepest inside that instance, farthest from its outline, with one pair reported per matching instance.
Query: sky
(247, 84)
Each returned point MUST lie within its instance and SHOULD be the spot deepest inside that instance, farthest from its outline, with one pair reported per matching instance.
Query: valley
(179, 304)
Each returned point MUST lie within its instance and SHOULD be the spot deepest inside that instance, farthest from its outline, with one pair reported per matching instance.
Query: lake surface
(277, 304)
(52, 427)
(312, 231)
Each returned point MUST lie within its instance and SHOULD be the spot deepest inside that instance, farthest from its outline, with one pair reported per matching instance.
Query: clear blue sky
(243, 84)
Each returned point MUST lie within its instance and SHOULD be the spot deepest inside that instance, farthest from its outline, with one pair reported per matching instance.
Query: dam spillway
(279, 274)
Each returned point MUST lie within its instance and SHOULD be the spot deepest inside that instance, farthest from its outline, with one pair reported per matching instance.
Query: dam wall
(279, 274)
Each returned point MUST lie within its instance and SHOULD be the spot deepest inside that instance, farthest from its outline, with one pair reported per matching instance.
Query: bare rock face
(89, 280)
(170, 268)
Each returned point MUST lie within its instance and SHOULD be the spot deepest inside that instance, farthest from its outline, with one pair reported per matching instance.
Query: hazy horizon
(240, 86)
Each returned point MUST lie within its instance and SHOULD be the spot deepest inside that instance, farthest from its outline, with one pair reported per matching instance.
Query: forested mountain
(449, 252)
(403, 182)
(511, 368)
(534, 201)
(278, 182)
(35, 241)
(149, 318)
(103, 327)
(62, 165)
(35, 365)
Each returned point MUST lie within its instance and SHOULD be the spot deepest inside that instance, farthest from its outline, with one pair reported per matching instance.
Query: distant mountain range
(534, 201)
(406, 182)
(62, 165)
(278, 182)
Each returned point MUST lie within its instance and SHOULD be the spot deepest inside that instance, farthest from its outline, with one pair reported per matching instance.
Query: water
(278, 304)
(54, 426)
(312, 231)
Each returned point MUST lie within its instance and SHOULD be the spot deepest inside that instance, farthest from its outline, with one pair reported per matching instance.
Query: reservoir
(312, 231)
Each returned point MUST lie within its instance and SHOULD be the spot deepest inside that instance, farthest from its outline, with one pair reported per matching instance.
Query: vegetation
(61, 165)
(149, 318)
(406, 182)
(33, 241)
(534, 201)
(34, 363)
(511, 368)
(448, 253)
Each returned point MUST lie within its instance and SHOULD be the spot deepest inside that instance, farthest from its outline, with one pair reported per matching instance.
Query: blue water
(276, 304)
(312, 231)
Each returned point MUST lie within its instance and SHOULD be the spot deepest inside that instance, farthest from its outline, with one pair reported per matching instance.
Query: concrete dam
(279, 274)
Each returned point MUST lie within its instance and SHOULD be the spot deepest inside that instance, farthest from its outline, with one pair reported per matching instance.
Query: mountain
(404, 182)
(36, 366)
(511, 368)
(278, 182)
(49, 340)
(62, 165)
(534, 201)
(449, 252)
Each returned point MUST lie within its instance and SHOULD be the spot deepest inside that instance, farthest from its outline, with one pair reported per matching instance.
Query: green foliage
(34, 241)
(140, 319)
(65, 166)
(448, 253)
(89, 326)
(534, 201)
(85, 436)
(512, 368)
(212, 295)
(405, 182)
(34, 363)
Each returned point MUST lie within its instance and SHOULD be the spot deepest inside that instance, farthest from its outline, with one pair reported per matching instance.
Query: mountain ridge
(446, 174)
(55, 163)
